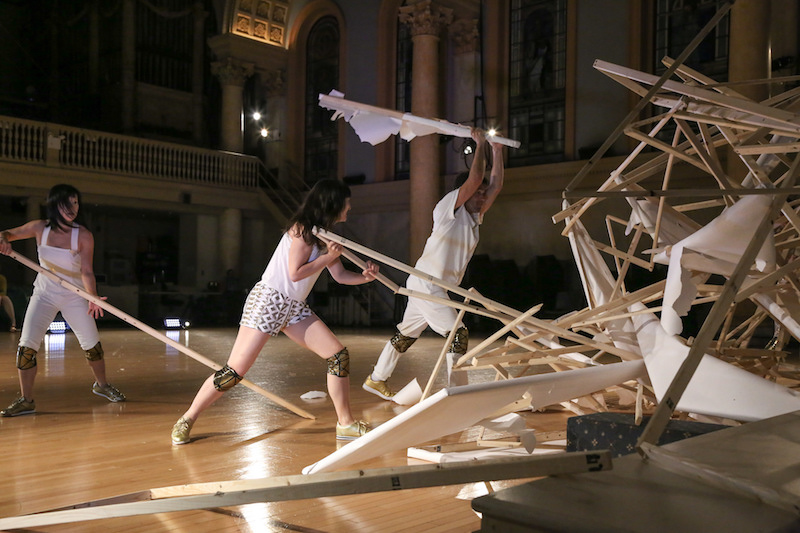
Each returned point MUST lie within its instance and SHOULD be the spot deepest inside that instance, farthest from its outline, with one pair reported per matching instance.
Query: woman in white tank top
(66, 248)
(277, 303)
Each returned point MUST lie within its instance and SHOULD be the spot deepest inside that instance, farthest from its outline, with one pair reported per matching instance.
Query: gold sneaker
(20, 406)
(108, 391)
(181, 429)
(378, 388)
(353, 431)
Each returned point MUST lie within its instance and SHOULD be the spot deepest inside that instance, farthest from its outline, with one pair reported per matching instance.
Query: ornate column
(426, 20)
(230, 240)
(232, 74)
(464, 34)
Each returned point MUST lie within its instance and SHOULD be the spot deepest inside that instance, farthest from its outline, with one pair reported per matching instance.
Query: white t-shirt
(451, 244)
(276, 274)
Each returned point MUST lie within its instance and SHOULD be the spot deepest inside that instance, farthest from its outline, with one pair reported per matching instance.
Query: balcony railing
(60, 146)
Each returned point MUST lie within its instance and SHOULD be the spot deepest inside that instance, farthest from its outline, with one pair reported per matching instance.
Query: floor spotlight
(58, 326)
(176, 323)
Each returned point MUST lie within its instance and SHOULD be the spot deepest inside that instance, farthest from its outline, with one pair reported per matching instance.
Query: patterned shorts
(269, 311)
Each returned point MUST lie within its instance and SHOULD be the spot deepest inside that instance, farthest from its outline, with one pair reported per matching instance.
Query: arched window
(322, 76)
(677, 23)
(405, 51)
(537, 80)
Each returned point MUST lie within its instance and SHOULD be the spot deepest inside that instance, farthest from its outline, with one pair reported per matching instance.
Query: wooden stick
(152, 332)
(447, 342)
(766, 281)
(452, 287)
(499, 333)
(300, 487)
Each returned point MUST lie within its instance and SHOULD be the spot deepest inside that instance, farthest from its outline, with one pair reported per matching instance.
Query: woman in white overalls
(67, 248)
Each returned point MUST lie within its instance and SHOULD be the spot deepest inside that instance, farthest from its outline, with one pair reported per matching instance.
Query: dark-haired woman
(65, 247)
(278, 303)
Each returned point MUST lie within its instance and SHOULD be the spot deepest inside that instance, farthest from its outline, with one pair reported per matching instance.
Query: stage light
(173, 322)
(256, 115)
(58, 326)
(492, 132)
(264, 132)
(467, 149)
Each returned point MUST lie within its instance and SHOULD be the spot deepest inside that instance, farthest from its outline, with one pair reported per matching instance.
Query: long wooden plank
(283, 488)
(340, 105)
(125, 317)
(751, 112)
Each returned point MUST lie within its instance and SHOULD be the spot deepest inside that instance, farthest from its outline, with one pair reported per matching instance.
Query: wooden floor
(79, 447)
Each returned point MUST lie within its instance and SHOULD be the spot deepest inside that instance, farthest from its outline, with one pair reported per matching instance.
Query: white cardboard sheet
(713, 249)
(454, 409)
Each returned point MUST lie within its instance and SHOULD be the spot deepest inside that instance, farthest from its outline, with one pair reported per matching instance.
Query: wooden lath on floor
(282, 488)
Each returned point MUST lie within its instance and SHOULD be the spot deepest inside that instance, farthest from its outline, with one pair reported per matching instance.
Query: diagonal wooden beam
(301, 487)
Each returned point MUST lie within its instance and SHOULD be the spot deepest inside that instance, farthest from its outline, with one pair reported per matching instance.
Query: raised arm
(496, 177)
(476, 170)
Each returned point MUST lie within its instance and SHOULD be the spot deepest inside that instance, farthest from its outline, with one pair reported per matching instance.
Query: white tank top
(64, 262)
(276, 274)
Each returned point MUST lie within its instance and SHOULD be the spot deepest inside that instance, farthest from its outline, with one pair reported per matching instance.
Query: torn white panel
(598, 285)
(717, 388)
(717, 248)
(454, 409)
(374, 124)
(374, 129)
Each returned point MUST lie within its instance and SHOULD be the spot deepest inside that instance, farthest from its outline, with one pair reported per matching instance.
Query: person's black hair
(321, 208)
(59, 196)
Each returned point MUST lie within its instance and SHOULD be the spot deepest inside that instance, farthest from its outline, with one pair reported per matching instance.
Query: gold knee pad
(95, 353)
(226, 378)
(460, 341)
(26, 358)
(402, 343)
(339, 364)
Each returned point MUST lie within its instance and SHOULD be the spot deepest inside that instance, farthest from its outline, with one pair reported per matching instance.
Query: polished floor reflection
(79, 447)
